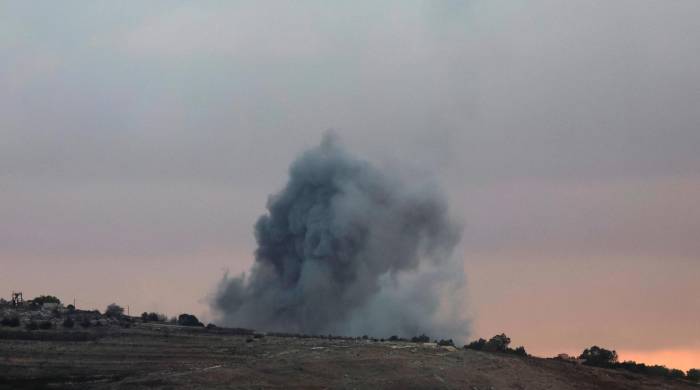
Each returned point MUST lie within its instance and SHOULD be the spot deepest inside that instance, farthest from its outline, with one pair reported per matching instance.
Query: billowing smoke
(346, 248)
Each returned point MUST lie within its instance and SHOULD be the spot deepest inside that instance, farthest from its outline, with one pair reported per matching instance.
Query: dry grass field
(172, 357)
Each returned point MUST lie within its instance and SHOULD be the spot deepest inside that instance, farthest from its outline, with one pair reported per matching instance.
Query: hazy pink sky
(139, 142)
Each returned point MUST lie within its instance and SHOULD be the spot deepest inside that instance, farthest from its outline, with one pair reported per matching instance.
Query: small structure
(17, 299)
(568, 358)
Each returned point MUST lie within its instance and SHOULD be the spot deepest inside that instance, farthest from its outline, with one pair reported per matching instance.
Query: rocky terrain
(147, 355)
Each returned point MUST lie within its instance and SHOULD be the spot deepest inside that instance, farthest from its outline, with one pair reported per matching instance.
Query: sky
(139, 142)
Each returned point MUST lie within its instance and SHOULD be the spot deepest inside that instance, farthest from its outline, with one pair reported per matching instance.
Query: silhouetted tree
(520, 351)
(676, 373)
(599, 357)
(693, 375)
(498, 343)
(114, 311)
(41, 299)
(477, 345)
(420, 339)
(188, 320)
(153, 317)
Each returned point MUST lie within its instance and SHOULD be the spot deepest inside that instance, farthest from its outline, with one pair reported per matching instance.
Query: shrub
(114, 311)
(693, 375)
(41, 299)
(420, 339)
(676, 373)
(153, 317)
(520, 351)
(498, 343)
(85, 322)
(477, 345)
(31, 325)
(12, 322)
(445, 343)
(211, 326)
(599, 357)
(68, 323)
(188, 320)
(45, 325)
(70, 308)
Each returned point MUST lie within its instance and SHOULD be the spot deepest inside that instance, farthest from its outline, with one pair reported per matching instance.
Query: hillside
(174, 357)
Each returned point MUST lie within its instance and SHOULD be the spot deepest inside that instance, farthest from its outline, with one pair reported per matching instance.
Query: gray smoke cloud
(347, 248)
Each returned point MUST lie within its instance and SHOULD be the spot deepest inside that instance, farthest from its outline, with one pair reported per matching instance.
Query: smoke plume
(346, 248)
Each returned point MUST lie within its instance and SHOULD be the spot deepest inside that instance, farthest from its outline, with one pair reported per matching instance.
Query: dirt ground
(170, 357)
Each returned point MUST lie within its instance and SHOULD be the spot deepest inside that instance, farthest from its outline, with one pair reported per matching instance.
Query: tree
(114, 311)
(676, 373)
(41, 299)
(693, 375)
(420, 339)
(188, 320)
(498, 343)
(599, 357)
(153, 317)
(477, 345)
(520, 351)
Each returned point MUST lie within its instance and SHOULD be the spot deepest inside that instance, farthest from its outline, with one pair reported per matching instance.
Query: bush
(85, 322)
(693, 375)
(114, 311)
(676, 373)
(45, 325)
(68, 323)
(12, 322)
(420, 339)
(477, 345)
(446, 343)
(31, 325)
(188, 320)
(498, 343)
(153, 317)
(41, 299)
(70, 308)
(599, 357)
(520, 351)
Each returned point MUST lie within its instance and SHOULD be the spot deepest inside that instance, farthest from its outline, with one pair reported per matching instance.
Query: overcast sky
(139, 142)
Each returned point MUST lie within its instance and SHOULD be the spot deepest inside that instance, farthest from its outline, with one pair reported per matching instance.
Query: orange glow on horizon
(683, 359)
